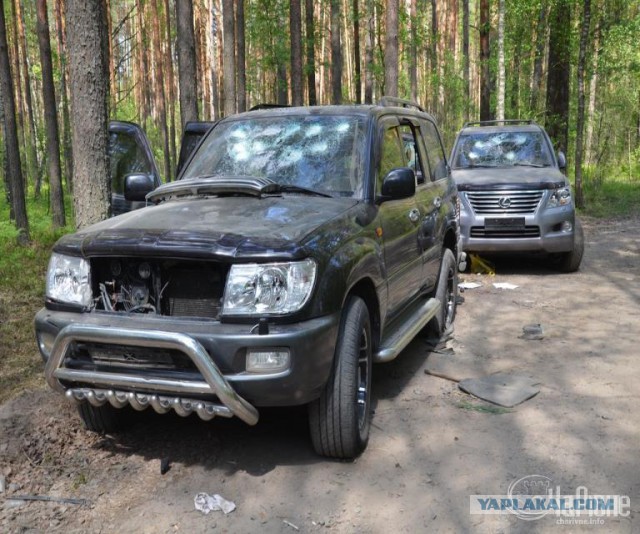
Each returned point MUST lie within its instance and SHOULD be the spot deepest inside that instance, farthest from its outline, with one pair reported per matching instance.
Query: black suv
(299, 246)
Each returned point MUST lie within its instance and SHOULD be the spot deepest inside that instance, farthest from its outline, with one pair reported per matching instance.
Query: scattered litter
(47, 498)
(501, 389)
(213, 503)
(290, 524)
(504, 285)
(532, 332)
(481, 266)
(2, 483)
(165, 465)
(469, 285)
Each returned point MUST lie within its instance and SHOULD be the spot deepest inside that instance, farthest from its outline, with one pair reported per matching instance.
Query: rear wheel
(340, 419)
(102, 419)
(447, 294)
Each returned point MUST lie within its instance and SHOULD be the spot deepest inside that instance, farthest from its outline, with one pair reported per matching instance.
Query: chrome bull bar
(149, 391)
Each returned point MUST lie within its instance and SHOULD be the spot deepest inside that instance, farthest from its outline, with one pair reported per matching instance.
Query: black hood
(480, 178)
(212, 227)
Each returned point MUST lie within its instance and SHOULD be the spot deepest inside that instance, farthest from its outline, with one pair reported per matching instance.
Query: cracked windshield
(502, 149)
(322, 153)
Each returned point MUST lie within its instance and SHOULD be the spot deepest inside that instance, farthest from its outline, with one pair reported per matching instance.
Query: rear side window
(435, 152)
(125, 157)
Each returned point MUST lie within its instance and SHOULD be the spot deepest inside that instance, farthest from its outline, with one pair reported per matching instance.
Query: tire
(569, 262)
(447, 293)
(340, 419)
(102, 419)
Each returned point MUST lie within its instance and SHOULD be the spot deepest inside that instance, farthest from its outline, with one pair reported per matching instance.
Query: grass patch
(614, 197)
(22, 273)
(482, 408)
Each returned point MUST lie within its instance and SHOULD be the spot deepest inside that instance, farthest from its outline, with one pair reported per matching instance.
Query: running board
(409, 326)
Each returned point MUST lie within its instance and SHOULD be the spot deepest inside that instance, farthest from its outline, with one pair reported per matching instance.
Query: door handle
(437, 202)
(414, 215)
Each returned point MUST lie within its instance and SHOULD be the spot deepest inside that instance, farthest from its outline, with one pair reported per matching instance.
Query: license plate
(504, 223)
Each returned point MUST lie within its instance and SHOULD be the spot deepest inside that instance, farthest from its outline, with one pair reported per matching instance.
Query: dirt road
(431, 447)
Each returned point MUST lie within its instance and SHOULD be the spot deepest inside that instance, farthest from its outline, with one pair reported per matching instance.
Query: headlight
(269, 288)
(69, 280)
(560, 197)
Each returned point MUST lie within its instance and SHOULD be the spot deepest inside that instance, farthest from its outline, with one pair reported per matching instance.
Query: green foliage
(22, 275)
(616, 196)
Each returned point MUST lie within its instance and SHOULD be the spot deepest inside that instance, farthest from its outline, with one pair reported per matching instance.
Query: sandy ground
(431, 446)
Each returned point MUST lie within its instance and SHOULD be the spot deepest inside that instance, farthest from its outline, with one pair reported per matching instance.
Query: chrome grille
(506, 233)
(502, 202)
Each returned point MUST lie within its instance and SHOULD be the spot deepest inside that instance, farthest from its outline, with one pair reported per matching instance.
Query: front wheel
(340, 419)
(569, 262)
(447, 294)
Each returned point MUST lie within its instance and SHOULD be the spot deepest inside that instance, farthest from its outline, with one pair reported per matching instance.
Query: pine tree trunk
(466, 60)
(559, 61)
(14, 165)
(161, 99)
(229, 69)
(64, 92)
(336, 54)
(33, 164)
(501, 71)
(18, 96)
(391, 50)
(413, 51)
(368, 53)
(311, 55)
(50, 116)
(295, 29)
(536, 78)
(356, 52)
(143, 47)
(584, 38)
(241, 69)
(89, 84)
(485, 53)
(186, 62)
(593, 91)
(171, 84)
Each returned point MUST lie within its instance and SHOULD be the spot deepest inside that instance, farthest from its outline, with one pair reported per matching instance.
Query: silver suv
(514, 196)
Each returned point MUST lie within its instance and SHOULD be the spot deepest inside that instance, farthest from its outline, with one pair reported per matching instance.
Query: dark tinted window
(435, 152)
(125, 157)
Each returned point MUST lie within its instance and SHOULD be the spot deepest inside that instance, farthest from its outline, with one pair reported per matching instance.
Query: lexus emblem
(504, 203)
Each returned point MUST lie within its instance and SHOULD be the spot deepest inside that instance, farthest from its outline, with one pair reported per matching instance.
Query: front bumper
(546, 225)
(219, 386)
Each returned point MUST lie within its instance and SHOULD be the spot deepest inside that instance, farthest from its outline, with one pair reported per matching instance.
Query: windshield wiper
(290, 188)
(526, 164)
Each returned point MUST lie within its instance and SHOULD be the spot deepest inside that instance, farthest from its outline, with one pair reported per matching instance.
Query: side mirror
(136, 186)
(399, 183)
(562, 160)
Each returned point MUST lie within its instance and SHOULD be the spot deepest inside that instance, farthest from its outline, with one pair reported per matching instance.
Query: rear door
(432, 197)
(129, 152)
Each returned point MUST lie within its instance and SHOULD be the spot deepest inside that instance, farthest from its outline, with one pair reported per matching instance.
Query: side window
(125, 157)
(391, 153)
(437, 160)
(411, 153)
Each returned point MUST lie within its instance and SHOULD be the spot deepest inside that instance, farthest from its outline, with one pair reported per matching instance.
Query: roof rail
(399, 102)
(503, 121)
(258, 107)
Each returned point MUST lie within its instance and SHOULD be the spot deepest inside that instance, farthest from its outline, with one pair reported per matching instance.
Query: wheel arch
(365, 289)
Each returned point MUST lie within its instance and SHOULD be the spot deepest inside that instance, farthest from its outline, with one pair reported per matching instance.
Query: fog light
(45, 343)
(567, 226)
(267, 361)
